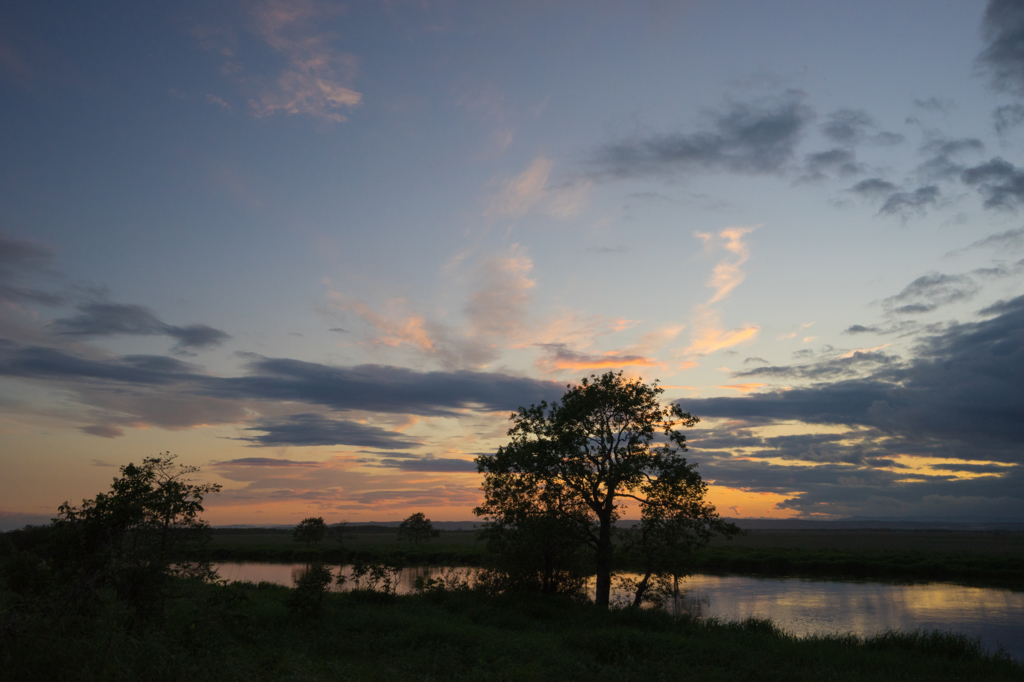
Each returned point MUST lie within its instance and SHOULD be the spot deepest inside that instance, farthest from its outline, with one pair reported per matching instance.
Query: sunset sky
(322, 250)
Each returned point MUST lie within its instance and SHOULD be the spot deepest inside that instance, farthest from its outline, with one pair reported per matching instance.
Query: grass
(979, 558)
(246, 632)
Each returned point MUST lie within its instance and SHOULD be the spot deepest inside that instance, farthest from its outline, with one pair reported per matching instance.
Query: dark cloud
(847, 489)
(1008, 117)
(747, 361)
(873, 188)
(972, 468)
(19, 260)
(339, 330)
(315, 429)
(758, 137)
(840, 161)
(861, 329)
(935, 104)
(108, 319)
(37, 362)
(265, 462)
(857, 363)
(907, 202)
(1003, 56)
(962, 393)
(430, 464)
(940, 164)
(373, 388)
(999, 181)
(928, 292)
(102, 430)
(847, 126)
(378, 388)
(887, 139)
(608, 249)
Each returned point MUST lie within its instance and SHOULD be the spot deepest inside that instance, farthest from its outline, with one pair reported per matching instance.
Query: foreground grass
(246, 632)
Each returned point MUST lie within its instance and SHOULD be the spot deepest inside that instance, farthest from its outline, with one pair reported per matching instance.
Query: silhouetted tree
(306, 600)
(417, 528)
(607, 443)
(146, 530)
(310, 530)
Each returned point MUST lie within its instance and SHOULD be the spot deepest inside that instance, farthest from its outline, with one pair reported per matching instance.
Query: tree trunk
(641, 589)
(603, 587)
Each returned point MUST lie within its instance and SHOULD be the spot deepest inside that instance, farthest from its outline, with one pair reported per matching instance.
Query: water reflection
(799, 606)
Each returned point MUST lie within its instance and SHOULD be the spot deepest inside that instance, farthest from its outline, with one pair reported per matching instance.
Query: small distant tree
(310, 530)
(337, 532)
(417, 528)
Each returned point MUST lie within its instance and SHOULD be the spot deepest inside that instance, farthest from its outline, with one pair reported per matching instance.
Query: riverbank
(246, 632)
(979, 558)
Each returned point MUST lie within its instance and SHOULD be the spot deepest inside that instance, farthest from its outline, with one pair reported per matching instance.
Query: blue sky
(322, 250)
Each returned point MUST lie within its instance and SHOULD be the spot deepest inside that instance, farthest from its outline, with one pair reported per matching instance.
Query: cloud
(1007, 117)
(312, 77)
(559, 357)
(709, 335)
(928, 292)
(1011, 240)
(908, 202)
(108, 319)
(854, 364)
(873, 188)
(940, 152)
(841, 161)
(743, 388)
(314, 429)
(430, 464)
(1003, 56)
(102, 430)
(524, 191)
(265, 462)
(377, 388)
(19, 260)
(999, 181)
(755, 138)
(530, 190)
(727, 274)
(847, 126)
(935, 104)
(961, 393)
(501, 293)
(146, 389)
(36, 362)
(747, 361)
(861, 329)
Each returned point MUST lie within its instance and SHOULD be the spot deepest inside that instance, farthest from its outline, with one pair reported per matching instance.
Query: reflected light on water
(802, 607)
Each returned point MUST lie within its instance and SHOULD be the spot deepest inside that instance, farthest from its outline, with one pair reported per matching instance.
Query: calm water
(799, 606)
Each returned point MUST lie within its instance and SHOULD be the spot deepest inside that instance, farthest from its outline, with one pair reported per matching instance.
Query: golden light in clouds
(743, 388)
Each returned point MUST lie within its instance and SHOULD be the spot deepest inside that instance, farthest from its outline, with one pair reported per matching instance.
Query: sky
(322, 250)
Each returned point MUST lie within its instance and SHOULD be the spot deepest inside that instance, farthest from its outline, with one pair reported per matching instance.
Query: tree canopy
(577, 463)
(144, 531)
(417, 528)
(310, 530)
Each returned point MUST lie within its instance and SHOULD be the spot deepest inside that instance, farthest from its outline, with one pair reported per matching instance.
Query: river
(802, 607)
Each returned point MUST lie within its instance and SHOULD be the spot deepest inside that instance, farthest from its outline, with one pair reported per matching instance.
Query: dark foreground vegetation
(253, 632)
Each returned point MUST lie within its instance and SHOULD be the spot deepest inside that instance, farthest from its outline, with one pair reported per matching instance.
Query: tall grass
(248, 632)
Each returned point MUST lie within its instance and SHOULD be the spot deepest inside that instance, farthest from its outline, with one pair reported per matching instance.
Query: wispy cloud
(530, 189)
(708, 334)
